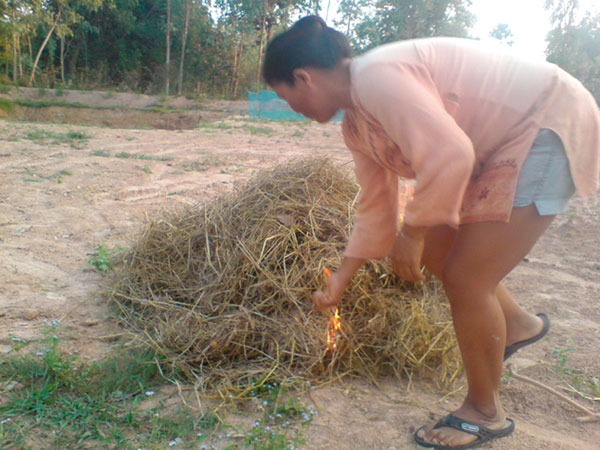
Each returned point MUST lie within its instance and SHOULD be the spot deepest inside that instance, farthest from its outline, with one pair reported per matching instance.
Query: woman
(497, 146)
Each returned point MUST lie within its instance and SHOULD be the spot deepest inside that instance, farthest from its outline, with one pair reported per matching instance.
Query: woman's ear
(302, 76)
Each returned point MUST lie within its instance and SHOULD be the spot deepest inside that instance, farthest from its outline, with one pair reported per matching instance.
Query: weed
(580, 383)
(146, 169)
(6, 105)
(264, 131)
(59, 92)
(72, 138)
(42, 91)
(126, 155)
(103, 258)
(203, 164)
(76, 404)
(216, 125)
(103, 153)
(38, 178)
(130, 138)
(109, 94)
(60, 174)
(298, 133)
(4, 89)
(280, 418)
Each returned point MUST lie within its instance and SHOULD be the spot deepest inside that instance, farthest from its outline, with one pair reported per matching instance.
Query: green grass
(103, 259)
(6, 105)
(204, 163)
(68, 403)
(283, 417)
(72, 138)
(585, 385)
(125, 155)
(252, 129)
(101, 152)
(56, 400)
(38, 178)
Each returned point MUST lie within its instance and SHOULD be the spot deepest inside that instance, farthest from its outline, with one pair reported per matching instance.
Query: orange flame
(333, 328)
(335, 325)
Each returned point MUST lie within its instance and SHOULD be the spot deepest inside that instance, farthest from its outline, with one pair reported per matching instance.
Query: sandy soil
(59, 200)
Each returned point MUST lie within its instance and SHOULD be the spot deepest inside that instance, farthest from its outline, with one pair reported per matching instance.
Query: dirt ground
(59, 199)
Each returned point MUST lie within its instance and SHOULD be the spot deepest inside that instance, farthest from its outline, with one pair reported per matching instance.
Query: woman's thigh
(483, 253)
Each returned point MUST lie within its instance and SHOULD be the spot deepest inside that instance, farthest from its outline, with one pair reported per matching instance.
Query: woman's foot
(478, 426)
(529, 332)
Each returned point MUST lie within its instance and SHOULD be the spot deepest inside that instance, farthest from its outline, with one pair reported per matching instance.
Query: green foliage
(574, 44)
(103, 258)
(73, 138)
(370, 23)
(585, 385)
(6, 105)
(502, 33)
(126, 155)
(277, 429)
(73, 404)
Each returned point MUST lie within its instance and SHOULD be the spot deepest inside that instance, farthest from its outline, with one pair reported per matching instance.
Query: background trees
(574, 42)
(205, 47)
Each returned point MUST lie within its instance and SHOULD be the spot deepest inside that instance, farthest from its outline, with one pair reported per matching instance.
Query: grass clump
(127, 155)
(73, 138)
(104, 258)
(69, 403)
(222, 290)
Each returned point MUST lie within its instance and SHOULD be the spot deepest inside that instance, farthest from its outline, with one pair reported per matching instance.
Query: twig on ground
(590, 415)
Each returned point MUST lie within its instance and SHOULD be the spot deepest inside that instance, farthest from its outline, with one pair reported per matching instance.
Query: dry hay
(223, 290)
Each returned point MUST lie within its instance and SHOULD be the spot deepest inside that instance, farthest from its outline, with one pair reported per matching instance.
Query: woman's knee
(463, 283)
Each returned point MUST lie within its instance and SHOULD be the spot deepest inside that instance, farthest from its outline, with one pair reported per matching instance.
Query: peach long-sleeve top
(460, 120)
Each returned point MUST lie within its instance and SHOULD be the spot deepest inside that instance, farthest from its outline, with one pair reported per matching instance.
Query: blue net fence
(268, 105)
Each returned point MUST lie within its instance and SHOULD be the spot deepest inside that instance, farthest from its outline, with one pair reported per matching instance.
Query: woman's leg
(520, 324)
(481, 255)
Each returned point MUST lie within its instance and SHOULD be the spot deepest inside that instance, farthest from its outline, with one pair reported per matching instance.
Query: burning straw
(223, 290)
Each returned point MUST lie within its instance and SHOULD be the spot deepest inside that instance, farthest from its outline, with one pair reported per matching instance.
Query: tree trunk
(183, 42)
(168, 60)
(15, 58)
(39, 53)
(15, 46)
(237, 58)
(260, 49)
(62, 60)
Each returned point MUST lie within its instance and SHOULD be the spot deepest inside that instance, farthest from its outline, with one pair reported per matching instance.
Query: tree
(503, 34)
(391, 20)
(574, 42)
(58, 15)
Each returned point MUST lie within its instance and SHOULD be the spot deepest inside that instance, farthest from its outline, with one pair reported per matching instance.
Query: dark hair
(308, 43)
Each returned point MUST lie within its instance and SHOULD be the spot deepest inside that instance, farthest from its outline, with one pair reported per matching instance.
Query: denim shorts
(545, 178)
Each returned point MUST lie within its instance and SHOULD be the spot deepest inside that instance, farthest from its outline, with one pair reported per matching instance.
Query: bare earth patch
(61, 197)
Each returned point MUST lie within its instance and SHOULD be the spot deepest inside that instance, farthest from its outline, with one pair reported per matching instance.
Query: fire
(335, 324)
(333, 328)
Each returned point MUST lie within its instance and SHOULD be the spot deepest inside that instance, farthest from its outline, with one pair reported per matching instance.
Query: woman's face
(306, 96)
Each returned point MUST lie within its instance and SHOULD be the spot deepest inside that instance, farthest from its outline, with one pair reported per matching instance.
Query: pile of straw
(223, 290)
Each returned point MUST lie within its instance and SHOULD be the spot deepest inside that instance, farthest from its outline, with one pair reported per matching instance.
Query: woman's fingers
(322, 300)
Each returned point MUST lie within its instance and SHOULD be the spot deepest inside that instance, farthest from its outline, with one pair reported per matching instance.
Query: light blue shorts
(545, 178)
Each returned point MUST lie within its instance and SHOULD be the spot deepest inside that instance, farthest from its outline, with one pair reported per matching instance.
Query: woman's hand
(331, 295)
(407, 252)
(336, 283)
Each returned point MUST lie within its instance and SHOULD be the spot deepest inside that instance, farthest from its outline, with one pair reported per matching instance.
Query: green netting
(268, 105)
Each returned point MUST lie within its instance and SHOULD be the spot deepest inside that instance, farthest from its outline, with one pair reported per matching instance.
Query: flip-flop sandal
(511, 349)
(483, 433)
